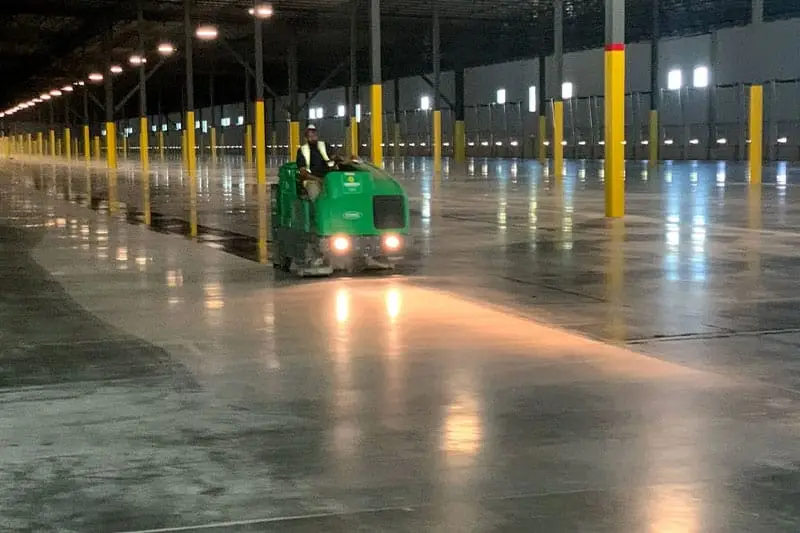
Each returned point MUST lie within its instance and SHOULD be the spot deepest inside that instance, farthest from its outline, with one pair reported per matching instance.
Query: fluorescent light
(206, 33)
(115, 69)
(166, 49)
(700, 77)
(674, 79)
(532, 99)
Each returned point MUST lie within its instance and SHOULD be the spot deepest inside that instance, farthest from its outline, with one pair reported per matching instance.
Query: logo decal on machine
(351, 184)
(352, 215)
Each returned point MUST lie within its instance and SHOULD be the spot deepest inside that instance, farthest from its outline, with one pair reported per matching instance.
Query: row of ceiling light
(165, 49)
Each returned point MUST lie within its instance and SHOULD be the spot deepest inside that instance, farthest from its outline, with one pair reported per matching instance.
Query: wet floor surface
(151, 382)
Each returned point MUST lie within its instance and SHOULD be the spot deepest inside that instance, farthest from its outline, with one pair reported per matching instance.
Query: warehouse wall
(755, 53)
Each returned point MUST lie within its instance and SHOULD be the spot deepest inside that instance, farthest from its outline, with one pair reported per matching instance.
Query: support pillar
(294, 124)
(161, 145)
(247, 143)
(87, 156)
(460, 129)
(437, 97)
(352, 129)
(558, 106)
(144, 134)
(261, 143)
(654, 139)
(97, 152)
(541, 131)
(758, 11)
(376, 90)
(615, 108)
(261, 131)
(756, 134)
(111, 128)
(191, 155)
(39, 143)
(396, 124)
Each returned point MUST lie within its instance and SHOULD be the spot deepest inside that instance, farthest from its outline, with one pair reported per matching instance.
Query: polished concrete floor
(533, 368)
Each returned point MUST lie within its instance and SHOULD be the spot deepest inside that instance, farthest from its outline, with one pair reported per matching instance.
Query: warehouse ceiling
(47, 43)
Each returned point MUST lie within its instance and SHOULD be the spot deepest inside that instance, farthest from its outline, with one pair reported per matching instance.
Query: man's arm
(301, 160)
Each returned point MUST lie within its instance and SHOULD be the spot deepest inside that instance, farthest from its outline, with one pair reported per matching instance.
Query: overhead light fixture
(115, 69)
(166, 49)
(207, 33)
(137, 60)
(55, 92)
(45, 96)
(262, 11)
(67, 88)
(38, 100)
(95, 76)
(80, 83)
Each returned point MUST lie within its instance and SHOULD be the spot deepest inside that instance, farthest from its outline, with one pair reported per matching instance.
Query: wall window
(340, 111)
(320, 113)
(532, 99)
(240, 120)
(674, 79)
(204, 126)
(425, 103)
(700, 77)
(225, 122)
(154, 128)
(358, 112)
(312, 113)
(567, 90)
(178, 126)
(501, 96)
(164, 127)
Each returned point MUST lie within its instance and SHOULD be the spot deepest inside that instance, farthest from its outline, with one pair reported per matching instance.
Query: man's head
(311, 134)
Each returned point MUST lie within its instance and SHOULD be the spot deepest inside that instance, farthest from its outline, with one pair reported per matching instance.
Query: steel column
(459, 134)
(261, 143)
(191, 156)
(352, 137)
(376, 90)
(437, 97)
(542, 106)
(294, 123)
(144, 156)
(615, 108)
(654, 139)
(558, 106)
(756, 134)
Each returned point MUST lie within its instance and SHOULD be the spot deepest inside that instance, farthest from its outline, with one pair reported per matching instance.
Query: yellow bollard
(294, 138)
(125, 146)
(87, 156)
(558, 139)
(191, 145)
(354, 144)
(756, 131)
(213, 147)
(67, 144)
(615, 130)
(111, 145)
(52, 142)
(40, 143)
(248, 144)
(184, 152)
(161, 144)
(144, 147)
(376, 124)
(29, 141)
(97, 151)
(437, 141)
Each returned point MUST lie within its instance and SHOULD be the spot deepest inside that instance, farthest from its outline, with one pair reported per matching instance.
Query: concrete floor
(535, 368)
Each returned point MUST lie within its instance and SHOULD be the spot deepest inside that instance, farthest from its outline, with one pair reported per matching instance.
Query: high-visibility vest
(306, 151)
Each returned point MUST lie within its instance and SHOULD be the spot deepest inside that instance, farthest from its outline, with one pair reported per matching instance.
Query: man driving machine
(313, 163)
